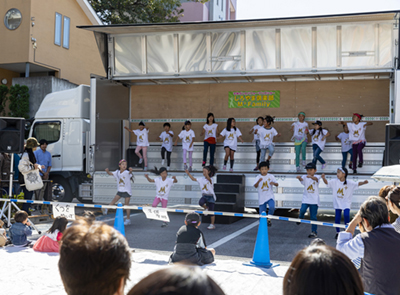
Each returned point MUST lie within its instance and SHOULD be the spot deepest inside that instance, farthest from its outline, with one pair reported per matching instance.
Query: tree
(3, 98)
(19, 101)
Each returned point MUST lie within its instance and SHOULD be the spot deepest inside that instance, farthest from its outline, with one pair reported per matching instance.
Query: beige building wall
(316, 99)
(8, 75)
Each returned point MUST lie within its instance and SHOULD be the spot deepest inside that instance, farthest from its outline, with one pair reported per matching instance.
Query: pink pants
(190, 157)
(163, 202)
(144, 149)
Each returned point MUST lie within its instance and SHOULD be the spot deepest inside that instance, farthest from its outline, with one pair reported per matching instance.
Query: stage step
(227, 188)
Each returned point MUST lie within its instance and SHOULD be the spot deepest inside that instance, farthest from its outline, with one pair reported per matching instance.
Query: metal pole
(10, 187)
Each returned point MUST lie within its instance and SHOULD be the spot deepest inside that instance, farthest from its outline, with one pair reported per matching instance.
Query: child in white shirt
(231, 134)
(210, 131)
(256, 140)
(300, 131)
(310, 196)
(187, 136)
(142, 142)
(267, 135)
(263, 184)
(342, 191)
(346, 146)
(318, 139)
(163, 187)
(166, 138)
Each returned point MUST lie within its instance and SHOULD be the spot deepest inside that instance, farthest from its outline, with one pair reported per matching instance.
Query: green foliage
(19, 101)
(3, 98)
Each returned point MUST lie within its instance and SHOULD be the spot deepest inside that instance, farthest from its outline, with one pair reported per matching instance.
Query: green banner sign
(254, 99)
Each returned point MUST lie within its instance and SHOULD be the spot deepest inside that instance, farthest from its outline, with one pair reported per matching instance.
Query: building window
(66, 32)
(57, 29)
(12, 19)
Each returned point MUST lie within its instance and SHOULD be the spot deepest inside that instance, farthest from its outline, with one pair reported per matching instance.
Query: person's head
(311, 169)
(318, 242)
(301, 116)
(269, 120)
(188, 125)
(21, 216)
(141, 125)
(393, 200)
(178, 279)
(43, 144)
(264, 167)
(59, 223)
(122, 165)
(374, 212)
(31, 145)
(317, 125)
(345, 128)
(89, 216)
(230, 123)
(384, 191)
(341, 174)
(210, 118)
(193, 219)
(167, 126)
(209, 170)
(260, 121)
(321, 269)
(94, 259)
(160, 172)
(357, 117)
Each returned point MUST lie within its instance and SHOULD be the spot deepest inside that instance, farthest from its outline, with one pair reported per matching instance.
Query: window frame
(60, 29)
(6, 19)
(55, 122)
(66, 33)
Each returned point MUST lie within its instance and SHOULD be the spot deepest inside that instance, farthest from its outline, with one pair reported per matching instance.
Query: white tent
(388, 173)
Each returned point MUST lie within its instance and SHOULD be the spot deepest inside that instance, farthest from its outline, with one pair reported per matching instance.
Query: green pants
(301, 147)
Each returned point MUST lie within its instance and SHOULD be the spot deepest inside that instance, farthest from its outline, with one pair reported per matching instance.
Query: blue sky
(253, 9)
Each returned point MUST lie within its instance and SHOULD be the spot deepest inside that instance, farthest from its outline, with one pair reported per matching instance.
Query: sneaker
(269, 222)
(323, 166)
(162, 162)
(203, 164)
(145, 169)
(304, 164)
(360, 165)
(204, 212)
(127, 222)
(351, 165)
(231, 170)
(298, 223)
(255, 169)
(185, 166)
(164, 224)
(336, 236)
(313, 235)
(224, 167)
(190, 168)
(167, 168)
(105, 210)
(140, 160)
(211, 226)
(354, 171)
(298, 169)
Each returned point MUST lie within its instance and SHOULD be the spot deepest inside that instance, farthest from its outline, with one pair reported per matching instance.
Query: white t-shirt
(167, 140)
(311, 190)
(357, 131)
(187, 137)
(231, 138)
(346, 143)
(265, 188)
(142, 137)
(163, 187)
(123, 181)
(211, 130)
(299, 130)
(316, 138)
(342, 193)
(266, 136)
(206, 187)
(256, 136)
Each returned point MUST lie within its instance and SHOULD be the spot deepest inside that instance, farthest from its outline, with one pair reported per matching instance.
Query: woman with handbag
(30, 179)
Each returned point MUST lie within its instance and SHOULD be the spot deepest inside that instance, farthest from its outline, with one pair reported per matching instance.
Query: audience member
(377, 245)
(383, 192)
(179, 279)
(393, 200)
(89, 216)
(321, 269)
(50, 241)
(20, 230)
(94, 259)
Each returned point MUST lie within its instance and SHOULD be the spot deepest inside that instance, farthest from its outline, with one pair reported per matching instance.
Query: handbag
(32, 179)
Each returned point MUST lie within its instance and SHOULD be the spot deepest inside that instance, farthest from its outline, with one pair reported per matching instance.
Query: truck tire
(61, 190)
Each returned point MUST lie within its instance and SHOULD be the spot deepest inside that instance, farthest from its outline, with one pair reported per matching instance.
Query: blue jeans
(271, 150)
(344, 154)
(212, 152)
(271, 206)
(316, 153)
(338, 217)
(313, 214)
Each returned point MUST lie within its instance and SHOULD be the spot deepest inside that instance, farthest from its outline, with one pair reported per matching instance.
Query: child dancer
(267, 135)
(263, 184)
(124, 188)
(231, 134)
(300, 131)
(357, 137)
(346, 146)
(20, 230)
(208, 198)
(256, 140)
(187, 136)
(210, 130)
(166, 147)
(142, 142)
(310, 196)
(342, 190)
(163, 187)
(318, 137)
(50, 241)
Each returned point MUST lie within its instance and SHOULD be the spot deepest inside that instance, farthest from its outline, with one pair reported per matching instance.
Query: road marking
(233, 235)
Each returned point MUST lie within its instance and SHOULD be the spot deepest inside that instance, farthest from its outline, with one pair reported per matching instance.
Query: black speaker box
(133, 159)
(12, 131)
(392, 145)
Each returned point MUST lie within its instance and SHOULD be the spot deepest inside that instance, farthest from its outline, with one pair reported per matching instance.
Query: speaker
(12, 133)
(133, 159)
(392, 145)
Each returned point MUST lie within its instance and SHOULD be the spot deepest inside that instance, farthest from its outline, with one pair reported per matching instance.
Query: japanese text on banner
(66, 210)
(254, 99)
(157, 214)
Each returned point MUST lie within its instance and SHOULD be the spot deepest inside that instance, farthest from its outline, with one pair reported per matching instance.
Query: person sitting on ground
(383, 193)
(3, 237)
(320, 269)
(89, 216)
(377, 245)
(179, 279)
(94, 259)
(50, 241)
(20, 230)
(393, 200)
(190, 243)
